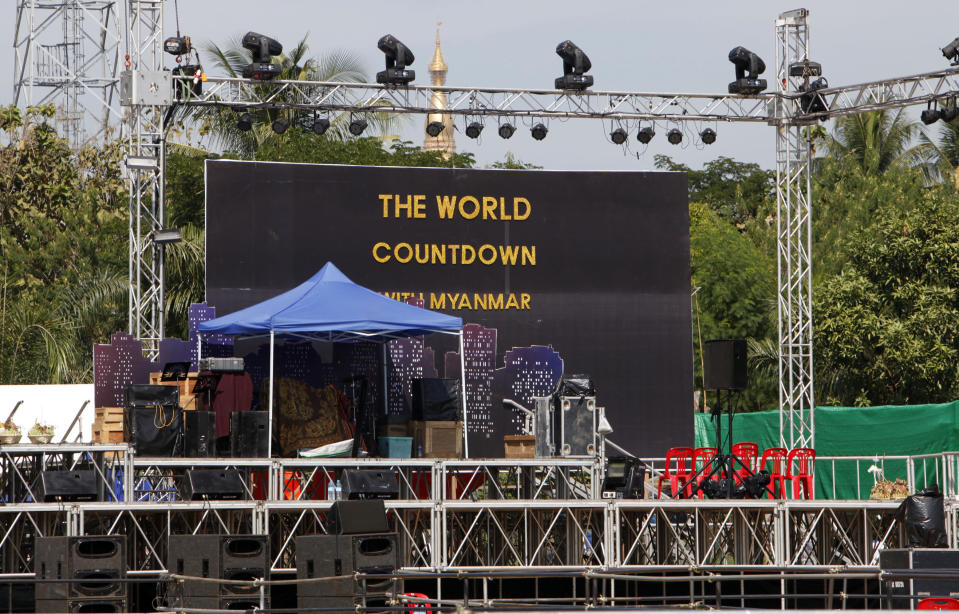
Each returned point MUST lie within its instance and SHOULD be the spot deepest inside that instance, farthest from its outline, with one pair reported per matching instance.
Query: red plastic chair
(417, 607)
(938, 603)
(802, 477)
(683, 460)
(701, 458)
(776, 457)
(746, 453)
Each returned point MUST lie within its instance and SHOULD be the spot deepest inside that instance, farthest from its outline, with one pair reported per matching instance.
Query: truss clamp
(153, 88)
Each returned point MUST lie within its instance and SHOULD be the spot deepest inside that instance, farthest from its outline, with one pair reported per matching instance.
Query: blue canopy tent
(330, 307)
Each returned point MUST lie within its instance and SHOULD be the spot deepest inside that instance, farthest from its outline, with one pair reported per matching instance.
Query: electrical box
(575, 426)
(146, 88)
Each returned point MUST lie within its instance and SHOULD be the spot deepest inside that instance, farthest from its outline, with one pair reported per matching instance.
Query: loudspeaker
(199, 434)
(230, 557)
(249, 434)
(935, 560)
(68, 486)
(81, 605)
(354, 517)
(321, 556)
(724, 364)
(436, 399)
(154, 431)
(91, 567)
(375, 552)
(369, 484)
(215, 484)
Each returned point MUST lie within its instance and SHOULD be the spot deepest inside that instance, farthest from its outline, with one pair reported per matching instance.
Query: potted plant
(40, 433)
(9, 433)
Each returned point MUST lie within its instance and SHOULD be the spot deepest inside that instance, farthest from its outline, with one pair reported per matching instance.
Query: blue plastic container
(396, 447)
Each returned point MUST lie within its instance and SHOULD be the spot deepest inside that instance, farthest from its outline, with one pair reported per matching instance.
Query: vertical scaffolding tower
(67, 53)
(794, 237)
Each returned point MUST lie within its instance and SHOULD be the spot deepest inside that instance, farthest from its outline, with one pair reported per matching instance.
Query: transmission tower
(67, 53)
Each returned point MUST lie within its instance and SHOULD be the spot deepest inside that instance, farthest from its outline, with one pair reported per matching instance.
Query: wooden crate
(187, 399)
(108, 425)
(519, 446)
(438, 438)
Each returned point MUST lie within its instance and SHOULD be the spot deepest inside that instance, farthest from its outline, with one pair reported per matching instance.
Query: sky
(633, 45)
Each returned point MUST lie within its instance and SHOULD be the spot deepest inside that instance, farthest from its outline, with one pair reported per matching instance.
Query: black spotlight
(645, 135)
(434, 128)
(280, 124)
(951, 51)
(357, 126)
(320, 126)
(575, 63)
(947, 114)
(506, 131)
(708, 136)
(539, 132)
(262, 47)
(398, 57)
(748, 68)
(674, 136)
(618, 136)
(474, 129)
(930, 115)
(244, 122)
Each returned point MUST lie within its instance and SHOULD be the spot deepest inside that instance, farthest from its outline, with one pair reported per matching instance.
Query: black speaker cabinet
(154, 431)
(91, 567)
(68, 486)
(81, 605)
(230, 557)
(212, 484)
(724, 364)
(249, 434)
(199, 434)
(935, 560)
(320, 556)
(369, 484)
(375, 552)
(353, 517)
(436, 399)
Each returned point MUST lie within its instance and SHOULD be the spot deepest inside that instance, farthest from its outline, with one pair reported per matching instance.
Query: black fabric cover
(154, 431)
(436, 398)
(575, 386)
(144, 395)
(925, 518)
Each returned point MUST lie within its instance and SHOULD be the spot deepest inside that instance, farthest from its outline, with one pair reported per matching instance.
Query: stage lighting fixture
(165, 236)
(951, 51)
(244, 123)
(320, 126)
(194, 85)
(748, 68)
(810, 101)
(398, 57)
(708, 136)
(575, 63)
(930, 116)
(947, 114)
(474, 129)
(262, 47)
(357, 126)
(434, 128)
(618, 136)
(645, 135)
(539, 132)
(280, 124)
(674, 136)
(805, 69)
(177, 45)
(506, 131)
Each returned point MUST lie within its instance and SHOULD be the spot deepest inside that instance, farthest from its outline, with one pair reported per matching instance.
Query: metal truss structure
(782, 110)
(452, 515)
(69, 50)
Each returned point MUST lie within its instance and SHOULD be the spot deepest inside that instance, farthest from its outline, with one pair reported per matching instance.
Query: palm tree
(943, 157)
(295, 66)
(877, 141)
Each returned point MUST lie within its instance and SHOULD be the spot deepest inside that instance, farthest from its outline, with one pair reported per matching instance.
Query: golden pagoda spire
(444, 141)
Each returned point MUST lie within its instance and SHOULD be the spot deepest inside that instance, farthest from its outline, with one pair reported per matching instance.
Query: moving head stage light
(398, 57)
(951, 52)
(575, 64)
(262, 47)
(748, 68)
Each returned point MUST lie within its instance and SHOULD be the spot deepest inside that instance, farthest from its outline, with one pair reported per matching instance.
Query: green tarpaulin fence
(853, 431)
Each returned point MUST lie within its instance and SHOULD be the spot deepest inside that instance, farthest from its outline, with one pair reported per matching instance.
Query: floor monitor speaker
(68, 486)
(213, 484)
(369, 484)
(724, 364)
(353, 517)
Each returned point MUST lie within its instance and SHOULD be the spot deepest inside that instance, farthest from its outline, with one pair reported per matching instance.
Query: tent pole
(269, 442)
(199, 348)
(466, 439)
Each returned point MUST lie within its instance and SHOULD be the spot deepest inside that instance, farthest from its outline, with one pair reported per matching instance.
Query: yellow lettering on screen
(386, 203)
(419, 206)
(527, 208)
(378, 248)
(469, 215)
(437, 301)
(445, 206)
(489, 207)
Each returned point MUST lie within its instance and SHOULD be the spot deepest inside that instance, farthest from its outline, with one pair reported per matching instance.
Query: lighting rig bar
(495, 102)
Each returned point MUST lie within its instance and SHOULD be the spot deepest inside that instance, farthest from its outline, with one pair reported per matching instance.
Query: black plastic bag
(924, 517)
(575, 386)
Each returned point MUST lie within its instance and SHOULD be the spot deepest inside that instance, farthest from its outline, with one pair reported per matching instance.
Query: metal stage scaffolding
(496, 514)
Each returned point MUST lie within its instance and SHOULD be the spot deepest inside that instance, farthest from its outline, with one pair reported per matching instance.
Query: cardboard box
(438, 438)
(519, 446)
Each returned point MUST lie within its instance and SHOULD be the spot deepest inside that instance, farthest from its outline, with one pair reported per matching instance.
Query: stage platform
(470, 520)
